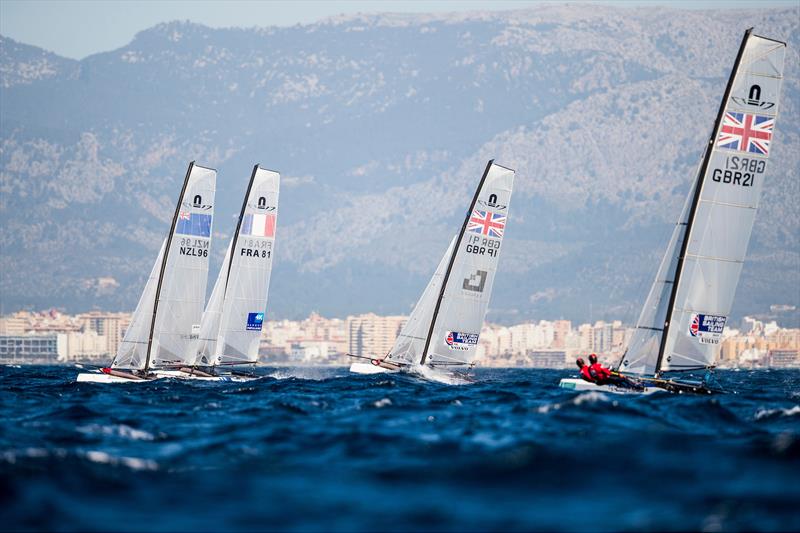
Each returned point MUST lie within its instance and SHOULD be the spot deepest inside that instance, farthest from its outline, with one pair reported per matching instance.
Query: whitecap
(766, 413)
(117, 430)
(134, 463)
(383, 402)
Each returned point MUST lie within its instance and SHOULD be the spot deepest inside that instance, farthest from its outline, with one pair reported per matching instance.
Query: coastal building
(371, 335)
(33, 348)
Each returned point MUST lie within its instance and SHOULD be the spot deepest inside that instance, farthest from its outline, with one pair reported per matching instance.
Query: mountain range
(381, 126)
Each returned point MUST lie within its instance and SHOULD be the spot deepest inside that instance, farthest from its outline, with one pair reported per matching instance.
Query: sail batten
(467, 283)
(234, 317)
(707, 257)
(171, 305)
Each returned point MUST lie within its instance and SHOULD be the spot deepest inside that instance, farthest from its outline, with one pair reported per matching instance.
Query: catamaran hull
(178, 374)
(99, 377)
(369, 368)
(580, 385)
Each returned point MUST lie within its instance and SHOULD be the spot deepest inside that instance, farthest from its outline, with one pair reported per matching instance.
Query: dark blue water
(320, 449)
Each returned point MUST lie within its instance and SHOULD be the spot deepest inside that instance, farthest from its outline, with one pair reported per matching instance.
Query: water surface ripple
(320, 449)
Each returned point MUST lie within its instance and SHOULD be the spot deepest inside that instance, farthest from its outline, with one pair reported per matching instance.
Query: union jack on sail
(746, 132)
(487, 223)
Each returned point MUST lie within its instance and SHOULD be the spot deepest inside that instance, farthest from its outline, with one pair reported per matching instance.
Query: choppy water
(320, 449)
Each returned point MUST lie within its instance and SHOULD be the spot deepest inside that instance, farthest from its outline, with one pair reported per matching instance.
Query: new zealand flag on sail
(746, 133)
(195, 224)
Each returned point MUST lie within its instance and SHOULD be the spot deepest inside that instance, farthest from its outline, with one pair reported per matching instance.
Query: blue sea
(320, 449)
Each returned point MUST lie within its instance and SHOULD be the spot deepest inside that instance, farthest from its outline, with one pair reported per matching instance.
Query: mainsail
(231, 327)
(172, 301)
(444, 327)
(683, 319)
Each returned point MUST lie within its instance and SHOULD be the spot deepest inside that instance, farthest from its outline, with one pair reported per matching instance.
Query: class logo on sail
(746, 132)
(255, 321)
(487, 223)
(261, 204)
(197, 203)
(258, 225)
(456, 340)
(707, 328)
(753, 99)
(195, 224)
(492, 203)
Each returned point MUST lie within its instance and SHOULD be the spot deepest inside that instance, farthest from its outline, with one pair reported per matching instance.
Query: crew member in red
(603, 375)
(585, 372)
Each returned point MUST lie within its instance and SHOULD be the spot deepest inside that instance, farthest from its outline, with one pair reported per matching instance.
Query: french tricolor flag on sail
(258, 225)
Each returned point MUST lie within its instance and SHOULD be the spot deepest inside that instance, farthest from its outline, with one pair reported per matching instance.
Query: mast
(164, 265)
(239, 226)
(452, 260)
(695, 200)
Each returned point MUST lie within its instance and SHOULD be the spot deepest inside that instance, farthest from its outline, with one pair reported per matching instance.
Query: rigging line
(452, 261)
(700, 180)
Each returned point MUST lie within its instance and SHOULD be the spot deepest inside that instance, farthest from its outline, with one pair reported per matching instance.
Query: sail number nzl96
(255, 248)
(482, 246)
(194, 247)
(739, 171)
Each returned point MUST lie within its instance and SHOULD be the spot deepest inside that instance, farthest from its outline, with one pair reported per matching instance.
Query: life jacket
(586, 374)
(600, 373)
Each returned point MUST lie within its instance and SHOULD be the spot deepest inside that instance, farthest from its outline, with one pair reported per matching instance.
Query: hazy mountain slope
(381, 126)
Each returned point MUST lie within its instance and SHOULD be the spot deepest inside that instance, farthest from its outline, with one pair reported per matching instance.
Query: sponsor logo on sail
(487, 223)
(753, 99)
(255, 321)
(746, 132)
(492, 203)
(707, 328)
(258, 225)
(475, 282)
(457, 340)
(196, 224)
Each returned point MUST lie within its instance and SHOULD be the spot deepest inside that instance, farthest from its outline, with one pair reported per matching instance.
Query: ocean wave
(780, 412)
(116, 430)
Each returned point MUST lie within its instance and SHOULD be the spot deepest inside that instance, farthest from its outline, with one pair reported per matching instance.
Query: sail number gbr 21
(739, 170)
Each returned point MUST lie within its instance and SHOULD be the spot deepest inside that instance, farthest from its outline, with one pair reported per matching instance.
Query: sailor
(602, 375)
(585, 371)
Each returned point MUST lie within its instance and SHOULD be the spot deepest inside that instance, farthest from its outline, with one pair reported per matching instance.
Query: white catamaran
(680, 326)
(171, 306)
(231, 327)
(440, 339)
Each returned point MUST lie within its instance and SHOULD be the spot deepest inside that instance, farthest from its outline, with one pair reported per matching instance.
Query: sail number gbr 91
(482, 246)
(255, 248)
(739, 171)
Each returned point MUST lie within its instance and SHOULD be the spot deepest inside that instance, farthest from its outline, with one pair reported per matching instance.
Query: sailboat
(230, 330)
(171, 305)
(684, 316)
(440, 339)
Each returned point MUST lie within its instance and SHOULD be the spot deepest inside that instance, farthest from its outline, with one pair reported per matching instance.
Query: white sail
(204, 349)
(729, 196)
(641, 356)
(172, 301)
(132, 351)
(410, 343)
(243, 282)
(180, 302)
(456, 326)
